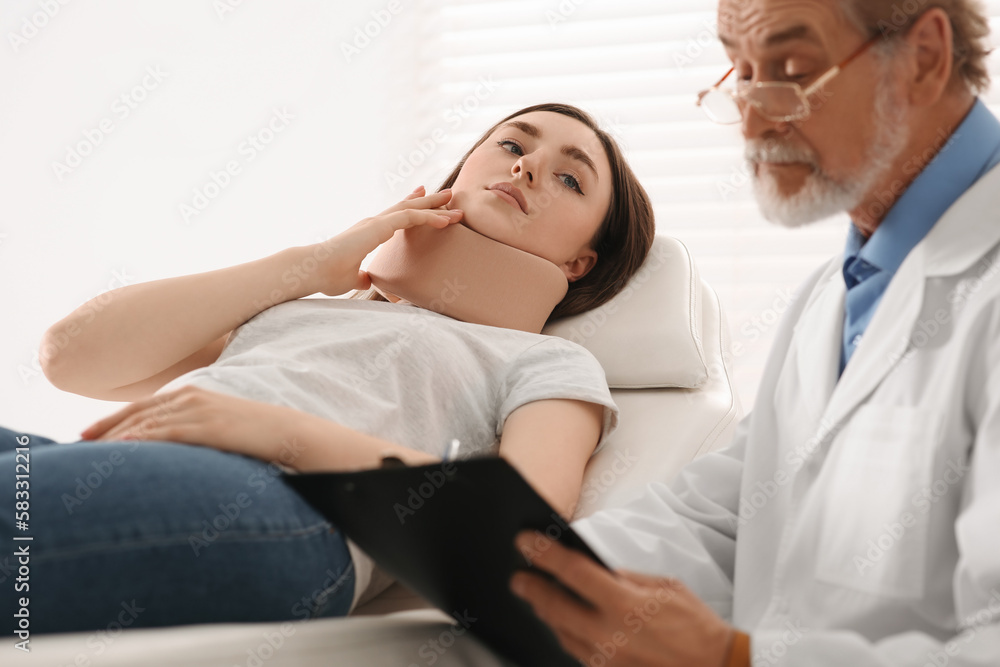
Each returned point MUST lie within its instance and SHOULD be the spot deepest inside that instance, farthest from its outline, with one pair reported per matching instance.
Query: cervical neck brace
(460, 273)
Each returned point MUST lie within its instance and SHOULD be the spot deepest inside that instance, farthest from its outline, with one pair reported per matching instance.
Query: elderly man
(854, 519)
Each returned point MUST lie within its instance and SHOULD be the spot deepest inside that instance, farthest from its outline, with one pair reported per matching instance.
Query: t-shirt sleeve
(557, 368)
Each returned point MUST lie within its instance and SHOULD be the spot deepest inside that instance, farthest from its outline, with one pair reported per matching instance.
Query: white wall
(67, 237)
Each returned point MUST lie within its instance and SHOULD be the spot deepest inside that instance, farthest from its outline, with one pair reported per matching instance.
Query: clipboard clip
(391, 461)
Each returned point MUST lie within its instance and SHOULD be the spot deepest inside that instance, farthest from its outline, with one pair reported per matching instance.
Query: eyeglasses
(776, 101)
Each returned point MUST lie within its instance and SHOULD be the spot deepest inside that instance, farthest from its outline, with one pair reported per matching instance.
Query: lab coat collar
(966, 232)
(816, 335)
(885, 342)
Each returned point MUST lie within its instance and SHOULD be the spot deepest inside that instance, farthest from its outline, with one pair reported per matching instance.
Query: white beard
(822, 195)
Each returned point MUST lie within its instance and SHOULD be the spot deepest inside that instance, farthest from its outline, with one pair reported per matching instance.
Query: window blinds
(636, 65)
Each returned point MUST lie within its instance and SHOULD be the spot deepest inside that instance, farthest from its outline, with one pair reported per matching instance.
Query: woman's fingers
(345, 252)
(370, 233)
(419, 192)
(373, 232)
(388, 225)
(419, 200)
(157, 423)
(138, 424)
(103, 425)
(118, 422)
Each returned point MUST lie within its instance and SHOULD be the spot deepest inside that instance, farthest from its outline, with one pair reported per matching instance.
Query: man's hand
(633, 619)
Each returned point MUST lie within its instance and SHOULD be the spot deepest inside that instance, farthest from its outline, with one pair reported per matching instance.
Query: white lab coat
(867, 510)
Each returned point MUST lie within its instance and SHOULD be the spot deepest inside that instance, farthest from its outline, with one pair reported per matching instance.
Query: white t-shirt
(401, 373)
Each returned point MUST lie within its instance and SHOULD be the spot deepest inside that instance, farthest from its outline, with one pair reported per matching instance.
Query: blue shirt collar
(971, 151)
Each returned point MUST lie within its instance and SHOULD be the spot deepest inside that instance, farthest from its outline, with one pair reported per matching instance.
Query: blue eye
(519, 151)
(571, 182)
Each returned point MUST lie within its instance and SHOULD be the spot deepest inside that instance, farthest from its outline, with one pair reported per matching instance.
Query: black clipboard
(447, 532)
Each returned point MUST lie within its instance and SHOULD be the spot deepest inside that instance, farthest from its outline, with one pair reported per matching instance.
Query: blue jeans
(149, 533)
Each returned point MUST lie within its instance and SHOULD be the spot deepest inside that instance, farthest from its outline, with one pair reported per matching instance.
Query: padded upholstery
(651, 334)
(663, 429)
(649, 342)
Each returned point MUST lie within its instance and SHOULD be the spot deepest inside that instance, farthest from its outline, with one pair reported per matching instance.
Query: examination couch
(663, 343)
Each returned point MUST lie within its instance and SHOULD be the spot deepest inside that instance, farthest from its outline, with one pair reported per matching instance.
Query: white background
(360, 120)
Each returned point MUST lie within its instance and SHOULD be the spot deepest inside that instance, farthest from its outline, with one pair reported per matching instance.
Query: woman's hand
(200, 417)
(339, 258)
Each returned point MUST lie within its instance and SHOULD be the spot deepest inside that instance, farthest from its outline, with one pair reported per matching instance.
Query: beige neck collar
(460, 273)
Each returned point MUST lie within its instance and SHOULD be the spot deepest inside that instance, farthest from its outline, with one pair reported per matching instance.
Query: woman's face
(541, 182)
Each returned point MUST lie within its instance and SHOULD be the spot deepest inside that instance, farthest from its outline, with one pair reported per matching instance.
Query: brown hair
(969, 25)
(623, 238)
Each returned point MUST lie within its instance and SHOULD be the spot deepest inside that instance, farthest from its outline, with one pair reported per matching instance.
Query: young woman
(172, 510)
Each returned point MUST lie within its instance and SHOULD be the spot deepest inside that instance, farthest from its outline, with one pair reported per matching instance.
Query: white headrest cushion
(649, 335)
